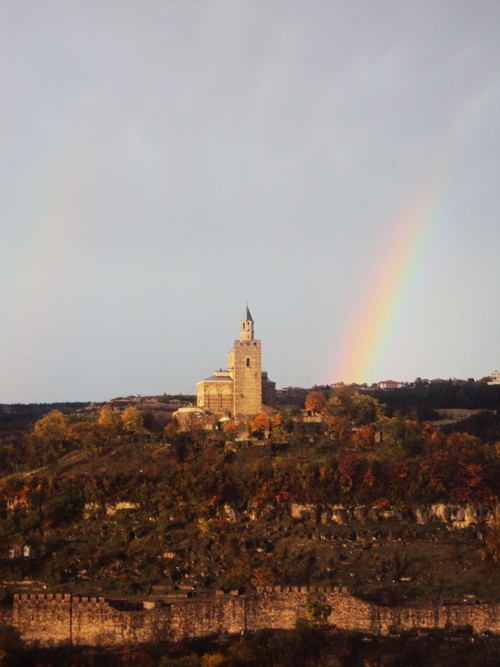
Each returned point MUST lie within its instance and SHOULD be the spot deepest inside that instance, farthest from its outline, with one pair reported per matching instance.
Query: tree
(259, 425)
(317, 611)
(455, 468)
(315, 401)
(132, 422)
(110, 417)
(52, 427)
(48, 439)
(361, 409)
(88, 437)
(230, 430)
(338, 431)
(363, 437)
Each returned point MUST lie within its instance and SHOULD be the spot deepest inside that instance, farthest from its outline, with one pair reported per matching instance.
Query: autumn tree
(110, 417)
(259, 425)
(132, 422)
(315, 401)
(47, 442)
(359, 408)
(230, 430)
(338, 431)
(52, 427)
(455, 467)
(363, 437)
(276, 420)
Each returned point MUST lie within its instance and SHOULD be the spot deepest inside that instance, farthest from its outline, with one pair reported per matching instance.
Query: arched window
(248, 362)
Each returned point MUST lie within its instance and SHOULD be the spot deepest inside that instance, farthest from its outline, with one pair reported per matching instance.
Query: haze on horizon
(333, 164)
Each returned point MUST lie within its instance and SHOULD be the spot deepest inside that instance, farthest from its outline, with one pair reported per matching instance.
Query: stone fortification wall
(43, 618)
(5, 616)
(281, 607)
(47, 619)
(55, 619)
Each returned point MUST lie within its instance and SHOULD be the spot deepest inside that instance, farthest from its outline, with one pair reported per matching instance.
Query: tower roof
(247, 317)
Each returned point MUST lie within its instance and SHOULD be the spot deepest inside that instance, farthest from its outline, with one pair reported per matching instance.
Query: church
(243, 389)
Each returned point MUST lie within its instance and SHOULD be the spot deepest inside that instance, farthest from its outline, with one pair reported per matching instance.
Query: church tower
(245, 367)
(242, 389)
(246, 326)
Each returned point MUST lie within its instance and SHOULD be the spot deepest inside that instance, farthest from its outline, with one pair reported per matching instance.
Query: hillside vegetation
(117, 499)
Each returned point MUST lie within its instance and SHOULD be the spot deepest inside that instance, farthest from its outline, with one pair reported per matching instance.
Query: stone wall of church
(216, 397)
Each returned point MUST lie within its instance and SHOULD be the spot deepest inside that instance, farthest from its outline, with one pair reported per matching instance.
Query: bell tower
(245, 366)
(242, 389)
(246, 326)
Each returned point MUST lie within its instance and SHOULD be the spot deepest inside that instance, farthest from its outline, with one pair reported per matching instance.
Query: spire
(247, 317)
(246, 326)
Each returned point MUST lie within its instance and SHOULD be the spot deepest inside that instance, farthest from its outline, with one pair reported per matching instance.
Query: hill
(349, 496)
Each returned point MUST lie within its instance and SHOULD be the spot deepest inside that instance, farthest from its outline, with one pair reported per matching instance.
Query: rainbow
(389, 292)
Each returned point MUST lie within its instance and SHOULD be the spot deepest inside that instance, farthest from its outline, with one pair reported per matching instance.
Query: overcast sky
(335, 164)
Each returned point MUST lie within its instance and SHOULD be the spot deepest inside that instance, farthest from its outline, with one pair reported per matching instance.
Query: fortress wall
(5, 616)
(199, 618)
(276, 607)
(55, 619)
(94, 622)
(479, 617)
(43, 618)
(281, 607)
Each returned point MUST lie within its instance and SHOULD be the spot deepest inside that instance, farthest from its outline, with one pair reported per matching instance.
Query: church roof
(218, 378)
(247, 317)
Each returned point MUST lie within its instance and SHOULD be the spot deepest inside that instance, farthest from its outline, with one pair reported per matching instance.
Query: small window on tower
(248, 362)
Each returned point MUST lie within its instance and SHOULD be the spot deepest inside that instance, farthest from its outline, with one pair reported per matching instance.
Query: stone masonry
(58, 619)
(243, 388)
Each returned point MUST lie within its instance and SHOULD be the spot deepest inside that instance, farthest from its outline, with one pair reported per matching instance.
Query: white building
(495, 377)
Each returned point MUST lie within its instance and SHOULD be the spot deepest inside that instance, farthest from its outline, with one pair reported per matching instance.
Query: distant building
(389, 384)
(242, 389)
(494, 377)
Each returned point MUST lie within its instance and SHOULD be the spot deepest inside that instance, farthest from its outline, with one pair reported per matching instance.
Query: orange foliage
(338, 430)
(277, 419)
(364, 437)
(315, 401)
(230, 430)
(259, 425)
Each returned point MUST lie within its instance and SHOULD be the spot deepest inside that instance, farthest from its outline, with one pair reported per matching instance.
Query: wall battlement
(51, 619)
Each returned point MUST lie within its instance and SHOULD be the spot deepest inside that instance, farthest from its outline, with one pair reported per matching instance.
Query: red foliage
(349, 465)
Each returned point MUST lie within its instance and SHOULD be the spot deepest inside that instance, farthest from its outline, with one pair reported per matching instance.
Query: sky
(334, 164)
